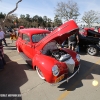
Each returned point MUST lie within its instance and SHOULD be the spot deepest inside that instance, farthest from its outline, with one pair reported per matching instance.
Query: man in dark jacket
(73, 40)
(2, 60)
(1, 56)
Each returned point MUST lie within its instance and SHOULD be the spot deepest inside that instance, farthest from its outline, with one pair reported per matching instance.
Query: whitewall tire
(40, 73)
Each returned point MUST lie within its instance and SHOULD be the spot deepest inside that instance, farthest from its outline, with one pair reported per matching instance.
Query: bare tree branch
(90, 17)
(2, 24)
(67, 10)
(12, 10)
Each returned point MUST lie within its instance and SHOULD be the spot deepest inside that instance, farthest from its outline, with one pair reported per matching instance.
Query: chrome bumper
(67, 79)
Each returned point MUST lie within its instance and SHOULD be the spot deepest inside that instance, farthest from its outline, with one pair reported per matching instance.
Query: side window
(38, 37)
(26, 37)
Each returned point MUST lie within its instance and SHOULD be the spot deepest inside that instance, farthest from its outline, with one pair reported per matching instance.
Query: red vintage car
(40, 48)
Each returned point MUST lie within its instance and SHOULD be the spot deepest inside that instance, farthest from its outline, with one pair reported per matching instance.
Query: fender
(45, 64)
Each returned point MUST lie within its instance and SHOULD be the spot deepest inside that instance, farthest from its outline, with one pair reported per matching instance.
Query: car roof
(32, 31)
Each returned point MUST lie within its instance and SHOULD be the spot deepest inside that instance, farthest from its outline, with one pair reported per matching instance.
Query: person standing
(2, 60)
(2, 37)
(13, 35)
(73, 40)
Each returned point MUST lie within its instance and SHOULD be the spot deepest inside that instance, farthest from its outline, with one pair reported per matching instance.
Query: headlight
(78, 57)
(55, 70)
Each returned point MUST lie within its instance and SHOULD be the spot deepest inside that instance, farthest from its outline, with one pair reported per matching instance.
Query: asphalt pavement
(19, 82)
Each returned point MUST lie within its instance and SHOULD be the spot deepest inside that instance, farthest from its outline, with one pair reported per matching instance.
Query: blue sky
(45, 7)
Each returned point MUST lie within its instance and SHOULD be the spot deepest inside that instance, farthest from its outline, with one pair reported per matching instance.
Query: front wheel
(40, 73)
(17, 49)
(92, 51)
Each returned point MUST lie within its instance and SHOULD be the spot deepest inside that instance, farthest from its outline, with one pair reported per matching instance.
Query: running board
(28, 60)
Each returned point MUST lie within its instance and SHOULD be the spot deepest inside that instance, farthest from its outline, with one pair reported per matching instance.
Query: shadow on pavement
(11, 79)
(9, 48)
(86, 71)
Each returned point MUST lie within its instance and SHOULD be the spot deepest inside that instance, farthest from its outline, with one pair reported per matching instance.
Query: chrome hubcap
(91, 50)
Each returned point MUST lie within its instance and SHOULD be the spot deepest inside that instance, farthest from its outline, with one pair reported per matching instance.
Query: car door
(27, 46)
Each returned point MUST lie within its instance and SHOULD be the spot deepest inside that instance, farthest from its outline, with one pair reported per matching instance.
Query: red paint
(33, 49)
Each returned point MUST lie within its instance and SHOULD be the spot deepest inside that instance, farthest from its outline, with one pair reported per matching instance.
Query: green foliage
(57, 21)
(27, 21)
(2, 16)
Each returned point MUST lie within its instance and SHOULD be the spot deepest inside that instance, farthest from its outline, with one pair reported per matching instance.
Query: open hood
(60, 34)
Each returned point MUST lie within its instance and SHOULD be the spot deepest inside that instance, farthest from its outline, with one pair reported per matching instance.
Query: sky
(45, 7)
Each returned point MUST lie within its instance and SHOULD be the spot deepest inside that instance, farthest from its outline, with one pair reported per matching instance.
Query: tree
(67, 10)
(40, 21)
(3, 22)
(35, 20)
(2, 15)
(49, 21)
(12, 10)
(45, 21)
(22, 16)
(45, 18)
(57, 21)
(90, 17)
(28, 17)
(11, 20)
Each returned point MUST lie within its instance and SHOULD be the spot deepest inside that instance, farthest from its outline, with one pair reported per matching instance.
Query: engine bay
(58, 54)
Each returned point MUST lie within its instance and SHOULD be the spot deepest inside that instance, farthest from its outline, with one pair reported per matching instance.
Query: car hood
(60, 34)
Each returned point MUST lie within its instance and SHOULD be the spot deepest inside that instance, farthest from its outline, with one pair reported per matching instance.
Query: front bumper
(67, 79)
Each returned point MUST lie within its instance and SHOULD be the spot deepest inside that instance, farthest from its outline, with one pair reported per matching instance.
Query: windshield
(38, 37)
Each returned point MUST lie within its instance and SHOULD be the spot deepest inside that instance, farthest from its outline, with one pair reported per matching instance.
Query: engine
(64, 57)
(60, 55)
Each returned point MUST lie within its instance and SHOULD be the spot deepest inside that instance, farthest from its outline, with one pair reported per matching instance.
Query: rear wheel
(40, 73)
(92, 51)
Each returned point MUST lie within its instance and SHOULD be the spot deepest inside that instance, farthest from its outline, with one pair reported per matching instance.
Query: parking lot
(19, 79)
